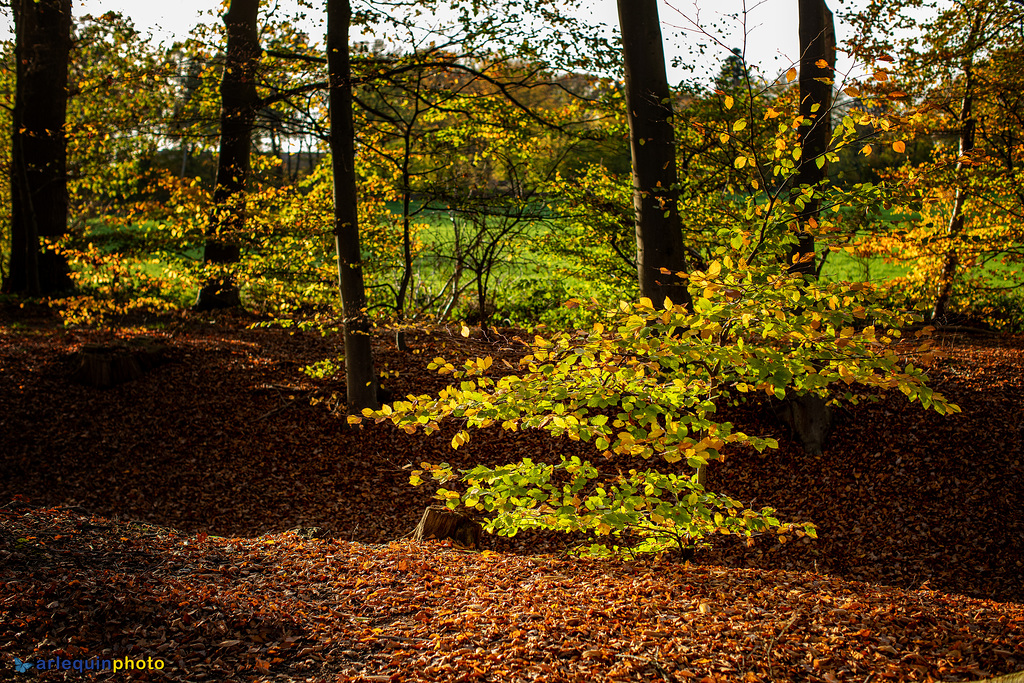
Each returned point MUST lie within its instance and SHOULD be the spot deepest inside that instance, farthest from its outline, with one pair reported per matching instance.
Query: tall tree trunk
(239, 102)
(951, 261)
(808, 415)
(659, 235)
(39, 194)
(817, 44)
(359, 375)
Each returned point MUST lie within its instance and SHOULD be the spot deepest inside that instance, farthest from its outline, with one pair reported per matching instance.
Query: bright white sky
(771, 25)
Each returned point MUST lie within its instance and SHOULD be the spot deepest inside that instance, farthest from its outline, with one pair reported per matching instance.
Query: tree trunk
(659, 235)
(239, 102)
(403, 286)
(359, 375)
(39, 194)
(817, 44)
(956, 220)
(808, 415)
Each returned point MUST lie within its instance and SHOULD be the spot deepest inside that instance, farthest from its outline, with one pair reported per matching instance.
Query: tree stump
(810, 419)
(107, 365)
(440, 523)
(217, 295)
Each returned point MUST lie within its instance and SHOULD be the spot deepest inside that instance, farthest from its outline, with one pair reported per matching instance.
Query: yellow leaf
(714, 269)
(821, 64)
(465, 331)
(881, 75)
(724, 137)
(728, 101)
(739, 125)
(740, 162)
(866, 150)
(899, 146)
(791, 75)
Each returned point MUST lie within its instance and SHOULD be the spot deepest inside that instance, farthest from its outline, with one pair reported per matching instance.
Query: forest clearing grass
(525, 283)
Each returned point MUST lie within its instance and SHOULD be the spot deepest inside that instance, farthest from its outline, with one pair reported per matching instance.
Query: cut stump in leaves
(107, 365)
(440, 523)
(809, 418)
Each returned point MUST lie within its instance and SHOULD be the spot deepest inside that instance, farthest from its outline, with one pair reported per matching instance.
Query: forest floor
(156, 519)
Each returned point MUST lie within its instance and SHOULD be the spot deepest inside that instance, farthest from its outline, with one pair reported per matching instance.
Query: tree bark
(239, 102)
(817, 44)
(39, 194)
(659, 235)
(359, 374)
(951, 262)
(808, 415)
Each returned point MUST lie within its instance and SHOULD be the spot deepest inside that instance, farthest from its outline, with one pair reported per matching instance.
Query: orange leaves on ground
(915, 515)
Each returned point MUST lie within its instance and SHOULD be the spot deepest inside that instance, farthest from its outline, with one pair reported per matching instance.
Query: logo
(20, 666)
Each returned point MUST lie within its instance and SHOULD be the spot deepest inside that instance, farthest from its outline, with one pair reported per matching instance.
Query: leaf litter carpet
(158, 519)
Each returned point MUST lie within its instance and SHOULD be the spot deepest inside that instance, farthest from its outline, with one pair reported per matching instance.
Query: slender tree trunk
(817, 44)
(359, 375)
(951, 263)
(39, 195)
(191, 83)
(659, 235)
(403, 286)
(239, 102)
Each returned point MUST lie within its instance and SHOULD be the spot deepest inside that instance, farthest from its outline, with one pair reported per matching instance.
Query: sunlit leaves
(662, 373)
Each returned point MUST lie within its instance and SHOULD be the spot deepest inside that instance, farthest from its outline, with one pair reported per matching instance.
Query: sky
(771, 25)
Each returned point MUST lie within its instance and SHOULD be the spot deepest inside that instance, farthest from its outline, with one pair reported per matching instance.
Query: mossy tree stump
(107, 365)
(440, 523)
